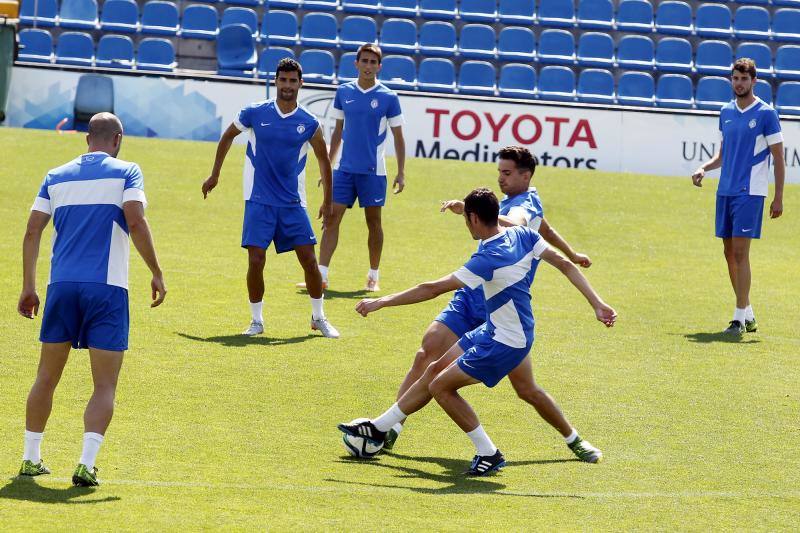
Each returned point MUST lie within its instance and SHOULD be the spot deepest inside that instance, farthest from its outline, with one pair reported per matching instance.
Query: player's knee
(436, 388)
(308, 262)
(424, 358)
(257, 260)
(740, 255)
(531, 394)
(46, 381)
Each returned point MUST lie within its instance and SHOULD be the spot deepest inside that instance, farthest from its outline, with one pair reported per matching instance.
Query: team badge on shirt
(752, 124)
(374, 103)
(301, 128)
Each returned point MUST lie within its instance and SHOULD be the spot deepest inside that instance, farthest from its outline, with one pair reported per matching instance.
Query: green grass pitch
(214, 431)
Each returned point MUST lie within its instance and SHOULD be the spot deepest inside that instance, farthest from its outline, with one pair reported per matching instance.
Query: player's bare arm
(142, 239)
(28, 305)
(553, 238)
(456, 206)
(421, 293)
(325, 173)
(779, 165)
(400, 153)
(336, 142)
(712, 164)
(223, 147)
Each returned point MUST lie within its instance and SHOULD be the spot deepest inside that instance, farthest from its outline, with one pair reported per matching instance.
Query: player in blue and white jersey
(504, 267)
(280, 132)
(750, 133)
(96, 201)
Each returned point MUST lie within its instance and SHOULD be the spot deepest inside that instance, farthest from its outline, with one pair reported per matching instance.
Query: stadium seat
(596, 14)
(75, 48)
(319, 29)
(438, 9)
(477, 77)
(399, 35)
(517, 81)
(596, 49)
(786, 25)
(246, 3)
(478, 10)
(516, 44)
(437, 39)
(357, 30)
(35, 45)
(320, 5)
(269, 58)
(714, 57)
(160, 18)
(635, 15)
(636, 89)
(713, 20)
(751, 22)
(674, 90)
(789, 3)
(636, 52)
(477, 41)
(318, 66)
(763, 90)
(399, 8)
(556, 47)
(787, 99)
(674, 18)
(279, 27)
(236, 49)
(43, 12)
(517, 12)
(120, 15)
(156, 53)
(283, 4)
(761, 54)
(787, 62)
(94, 94)
(596, 86)
(347, 68)
(200, 22)
(674, 54)
(557, 83)
(360, 6)
(80, 14)
(556, 13)
(240, 15)
(713, 92)
(398, 72)
(436, 75)
(114, 51)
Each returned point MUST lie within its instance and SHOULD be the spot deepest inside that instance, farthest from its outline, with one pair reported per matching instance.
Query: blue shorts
(288, 227)
(89, 315)
(739, 216)
(465, 312)
(370, 189)
(487, 360)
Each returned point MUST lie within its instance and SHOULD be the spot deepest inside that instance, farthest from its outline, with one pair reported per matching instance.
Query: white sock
(316, 308)
(397, 428)
(483, 444)
(91, 445)
(255, 310)
(572, 437)
(324, 271)
(739, 315)
(748, 313)
(33, 447)
(373, 274)
(392, 416)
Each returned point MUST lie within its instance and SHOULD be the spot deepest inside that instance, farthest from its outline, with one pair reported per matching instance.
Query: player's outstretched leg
(308, 260)
(256, 259)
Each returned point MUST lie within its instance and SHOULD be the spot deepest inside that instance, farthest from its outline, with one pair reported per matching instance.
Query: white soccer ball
(359, 446)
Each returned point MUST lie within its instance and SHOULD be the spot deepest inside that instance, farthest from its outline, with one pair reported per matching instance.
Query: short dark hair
(521, 156)
(745, 65)
(484, 204)
(370, 47)
(287, 64)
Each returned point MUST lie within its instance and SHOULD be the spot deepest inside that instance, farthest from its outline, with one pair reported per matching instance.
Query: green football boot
(584, 451)
(29, 468)
(83, 477)
(750, 326)
(391, 438)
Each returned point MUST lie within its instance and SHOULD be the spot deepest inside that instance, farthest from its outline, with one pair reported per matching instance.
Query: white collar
(493, 237)
(365, 91)
(748, 108)
(287, 115)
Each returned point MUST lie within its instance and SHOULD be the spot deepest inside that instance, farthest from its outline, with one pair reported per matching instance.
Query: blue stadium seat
(35, 45)
(636, 89)
(761, 54)
(318, 66)
(636, 52)
(200, 22)
(596, 49)
(160, 18)
(247, 3)
(436, 75)
(279, 27)
(674, 18)
(596, 86)
(320, 5)
(787, 62)
(399, 8)
(597, 14)
(357, 30)
(763, 90)
(156, 53)
(236, 49)
(437, 39)
(557, 83)
(786, 25)
(556, 47)
(674, 90)
(635, 15)
(319, 29)
(517, 81)
(713, 20)
(517, 12)
(360, 6)
(347, 68)
(269, 58)
(81, 14)
(674, 54)
(516, 44)
(757, 2)
(398, 72)
(438, 9)
(556, 13)
(44, 12)
(478, 10)
(787, 99)
(399, 35)
(714, 57)
(477, 77)
(477, 41)
(114, 51)
(713, 92)
(94, 94)
(75, 48)
(751, 22)
(240, 15)
(283, 4)
(789, 3)
(120, 15)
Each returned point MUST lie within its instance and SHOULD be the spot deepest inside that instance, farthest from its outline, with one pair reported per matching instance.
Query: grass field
(213, 430)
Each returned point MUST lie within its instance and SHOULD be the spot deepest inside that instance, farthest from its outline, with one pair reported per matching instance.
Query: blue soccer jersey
(526, 204)
(746, 137)
(367, 113)
(85, 197)
(504, 266)
(275, 164)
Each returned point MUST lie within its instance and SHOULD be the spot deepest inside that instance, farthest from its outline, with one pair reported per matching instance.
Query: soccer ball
(359, 446)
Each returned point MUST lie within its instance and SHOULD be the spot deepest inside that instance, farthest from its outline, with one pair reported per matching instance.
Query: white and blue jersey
(275, 164)
(367, 115)
(527, 204)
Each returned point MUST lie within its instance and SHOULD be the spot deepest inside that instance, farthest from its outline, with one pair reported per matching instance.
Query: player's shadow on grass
(239, 340)
(345, 295)
(27, 489)
(718, 336)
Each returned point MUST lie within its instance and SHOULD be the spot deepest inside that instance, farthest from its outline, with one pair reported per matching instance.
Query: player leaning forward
(274, 188)
(95, 201)
(503, 266)
(750, 132)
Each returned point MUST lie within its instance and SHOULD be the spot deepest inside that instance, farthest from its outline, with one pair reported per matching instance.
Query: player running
(96, 201)
(274, 189)
(750, 132)
(504, 267)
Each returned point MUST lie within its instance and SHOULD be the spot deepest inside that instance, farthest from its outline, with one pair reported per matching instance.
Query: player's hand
(581, 260)
(456, 206)
(776, 208)
(159, 290)
(368, 305)
(28, 305)
(209, 185)
(605, 314)
(399, 183)
(325, 212)
(697, 177)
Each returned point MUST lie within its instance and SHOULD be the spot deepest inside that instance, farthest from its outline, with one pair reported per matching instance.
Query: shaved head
(105, 133)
